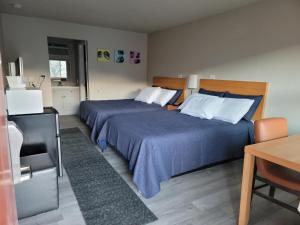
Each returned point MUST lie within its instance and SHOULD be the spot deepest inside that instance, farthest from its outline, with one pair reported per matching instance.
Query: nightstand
(172, 107)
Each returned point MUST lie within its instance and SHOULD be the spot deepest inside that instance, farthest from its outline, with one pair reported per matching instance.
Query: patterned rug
(103, 196)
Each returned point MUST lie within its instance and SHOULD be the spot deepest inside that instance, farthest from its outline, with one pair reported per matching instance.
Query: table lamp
(192, 82)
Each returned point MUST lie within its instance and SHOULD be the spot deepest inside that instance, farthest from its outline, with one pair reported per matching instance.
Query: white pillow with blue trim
(233, 110)
(164, 97)
(148, 94)
(202, 106)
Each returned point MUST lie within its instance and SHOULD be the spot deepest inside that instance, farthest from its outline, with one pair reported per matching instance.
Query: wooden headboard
(240, 87)
(172, 83)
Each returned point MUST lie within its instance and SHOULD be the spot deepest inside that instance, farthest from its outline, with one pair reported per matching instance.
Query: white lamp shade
(193, 81)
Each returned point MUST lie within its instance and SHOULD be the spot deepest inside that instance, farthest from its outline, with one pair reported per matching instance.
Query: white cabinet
(66, 99)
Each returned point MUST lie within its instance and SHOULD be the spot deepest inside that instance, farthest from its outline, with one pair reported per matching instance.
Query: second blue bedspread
(161, 144)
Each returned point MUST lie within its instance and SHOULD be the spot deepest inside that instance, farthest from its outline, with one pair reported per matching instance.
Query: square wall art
(103, 55)
(119, 56)
(134, 57)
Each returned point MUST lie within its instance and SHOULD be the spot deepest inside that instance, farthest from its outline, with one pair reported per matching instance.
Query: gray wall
(259, 42)
(27, 37)
(1, 34)
(2, 48)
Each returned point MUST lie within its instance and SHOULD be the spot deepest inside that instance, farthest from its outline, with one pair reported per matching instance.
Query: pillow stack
(201, 105)
(257, 99)
(232, 110)
(148, 95)
(156, 95)
(205, 104)
(214, 106)
(164, 96)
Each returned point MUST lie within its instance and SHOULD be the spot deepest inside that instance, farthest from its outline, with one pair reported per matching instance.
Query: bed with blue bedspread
(162, 144)
(95, 113)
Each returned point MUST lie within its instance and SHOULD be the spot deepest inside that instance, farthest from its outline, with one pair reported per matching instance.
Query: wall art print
(134, 57)
(103, 55)
(119, 56)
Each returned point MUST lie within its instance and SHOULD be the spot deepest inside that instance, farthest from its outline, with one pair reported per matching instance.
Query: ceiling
(136, 15)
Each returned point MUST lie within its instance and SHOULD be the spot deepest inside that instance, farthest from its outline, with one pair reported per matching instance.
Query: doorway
(68, 73)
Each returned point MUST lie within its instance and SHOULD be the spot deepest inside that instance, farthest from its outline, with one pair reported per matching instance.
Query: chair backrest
(266, 130)
(270, 129)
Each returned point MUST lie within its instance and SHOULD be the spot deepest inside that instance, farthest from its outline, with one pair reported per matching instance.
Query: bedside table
(172, 107)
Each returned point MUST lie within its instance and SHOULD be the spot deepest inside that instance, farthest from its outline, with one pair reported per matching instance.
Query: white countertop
(65, 87)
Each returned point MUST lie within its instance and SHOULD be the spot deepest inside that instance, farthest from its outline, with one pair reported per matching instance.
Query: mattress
(162, 144)
(95, 113)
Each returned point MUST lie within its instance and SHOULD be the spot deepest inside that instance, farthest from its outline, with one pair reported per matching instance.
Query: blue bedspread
(159, 145)
(95, 113)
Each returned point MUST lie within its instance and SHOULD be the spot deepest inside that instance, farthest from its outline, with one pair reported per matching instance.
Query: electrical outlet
(212, 77)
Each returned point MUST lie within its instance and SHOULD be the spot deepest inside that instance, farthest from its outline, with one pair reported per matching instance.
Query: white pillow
(233, 109)
(164, 96)
(148, 94)
(203, 106)
(186, 101)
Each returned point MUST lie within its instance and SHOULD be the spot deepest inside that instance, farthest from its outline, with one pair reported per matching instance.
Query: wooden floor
(205, 197)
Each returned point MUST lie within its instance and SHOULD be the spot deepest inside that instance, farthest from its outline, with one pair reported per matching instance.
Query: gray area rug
(103, 196)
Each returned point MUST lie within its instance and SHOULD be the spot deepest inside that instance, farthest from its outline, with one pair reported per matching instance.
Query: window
(58, 68)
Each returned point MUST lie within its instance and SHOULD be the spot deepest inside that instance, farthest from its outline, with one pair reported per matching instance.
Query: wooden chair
(271, 174)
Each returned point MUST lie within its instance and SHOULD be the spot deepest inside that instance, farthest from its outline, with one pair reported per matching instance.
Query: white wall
(259, 42)
(27, 37)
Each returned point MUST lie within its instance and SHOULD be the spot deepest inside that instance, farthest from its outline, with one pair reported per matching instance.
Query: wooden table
(283, 151)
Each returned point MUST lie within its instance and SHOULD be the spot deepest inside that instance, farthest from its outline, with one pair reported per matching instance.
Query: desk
(283, 151)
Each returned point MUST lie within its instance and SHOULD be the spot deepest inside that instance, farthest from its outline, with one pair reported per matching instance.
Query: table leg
(246, 189)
